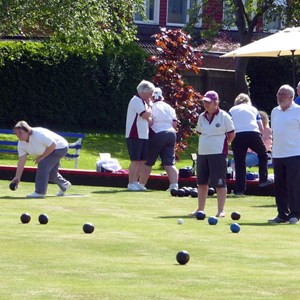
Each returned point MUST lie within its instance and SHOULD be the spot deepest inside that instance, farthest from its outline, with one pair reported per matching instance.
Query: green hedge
(69, 93)
(266, 76)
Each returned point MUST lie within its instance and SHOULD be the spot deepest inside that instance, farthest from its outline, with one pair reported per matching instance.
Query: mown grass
(131, 254)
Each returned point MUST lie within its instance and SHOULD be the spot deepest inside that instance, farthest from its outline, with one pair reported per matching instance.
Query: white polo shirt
(163, 116)
(213, 139)
(286, 131)
(245, 117)
(136, 126)
(39, 140)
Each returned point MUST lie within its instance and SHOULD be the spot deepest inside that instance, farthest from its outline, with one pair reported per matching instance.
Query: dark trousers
(287, 186)
(240, 145)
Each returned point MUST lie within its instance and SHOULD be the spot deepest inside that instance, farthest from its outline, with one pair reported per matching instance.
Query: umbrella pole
(293, 68)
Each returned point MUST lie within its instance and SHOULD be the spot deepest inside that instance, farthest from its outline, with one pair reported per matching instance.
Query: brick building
(216, 73)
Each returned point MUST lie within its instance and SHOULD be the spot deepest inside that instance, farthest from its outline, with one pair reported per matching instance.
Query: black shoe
(277, 220)
(239, 194)
(266, 183)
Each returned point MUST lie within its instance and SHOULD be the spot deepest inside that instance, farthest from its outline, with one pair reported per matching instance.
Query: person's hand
(146, 115)
(38, 159)
(16, 180)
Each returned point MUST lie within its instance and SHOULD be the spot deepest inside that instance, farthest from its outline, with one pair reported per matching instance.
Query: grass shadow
(262, 224)
(68, 196)
(116, 191)
(14, 198)
(48, 196)
(265, 206)
(120, 191)
(176, 217)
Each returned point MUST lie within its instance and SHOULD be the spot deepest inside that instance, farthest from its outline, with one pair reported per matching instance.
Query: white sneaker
(133, 187)
(172, 186)
(35, 195)
(62, 192)
(141, 186)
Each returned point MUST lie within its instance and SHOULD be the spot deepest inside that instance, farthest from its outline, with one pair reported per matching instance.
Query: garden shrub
(69, 92)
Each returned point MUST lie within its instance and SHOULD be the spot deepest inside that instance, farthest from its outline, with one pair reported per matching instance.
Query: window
(178, 11)
(274, 19)
(229, 16)
(269, 23)
(272, 26)
(151, 10)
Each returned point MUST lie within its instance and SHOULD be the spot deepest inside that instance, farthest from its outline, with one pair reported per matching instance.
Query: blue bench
(10, 147)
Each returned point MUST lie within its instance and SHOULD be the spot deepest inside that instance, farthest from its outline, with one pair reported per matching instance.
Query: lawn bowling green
(133, 250)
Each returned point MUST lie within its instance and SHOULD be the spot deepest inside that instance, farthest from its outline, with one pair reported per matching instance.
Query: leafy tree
(87, 25)
(176, 56)
(247, 16)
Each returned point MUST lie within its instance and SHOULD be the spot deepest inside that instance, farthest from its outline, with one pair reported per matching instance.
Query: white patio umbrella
(282, 43)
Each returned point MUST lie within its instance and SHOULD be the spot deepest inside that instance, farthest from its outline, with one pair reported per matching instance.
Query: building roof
(227, 40)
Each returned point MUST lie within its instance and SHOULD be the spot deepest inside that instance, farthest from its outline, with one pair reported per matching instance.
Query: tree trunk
(240, 75)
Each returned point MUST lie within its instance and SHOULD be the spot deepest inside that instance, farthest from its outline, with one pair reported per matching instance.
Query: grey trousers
(47, 171)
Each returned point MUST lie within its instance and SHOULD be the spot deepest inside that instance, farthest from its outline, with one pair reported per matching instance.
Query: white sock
(173, 186)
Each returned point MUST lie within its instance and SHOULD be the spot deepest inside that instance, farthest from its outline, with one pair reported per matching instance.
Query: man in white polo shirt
(137, 132)
(285, 122)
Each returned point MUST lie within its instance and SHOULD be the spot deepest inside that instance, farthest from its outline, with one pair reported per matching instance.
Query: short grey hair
(289, 89)
(145, 87)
